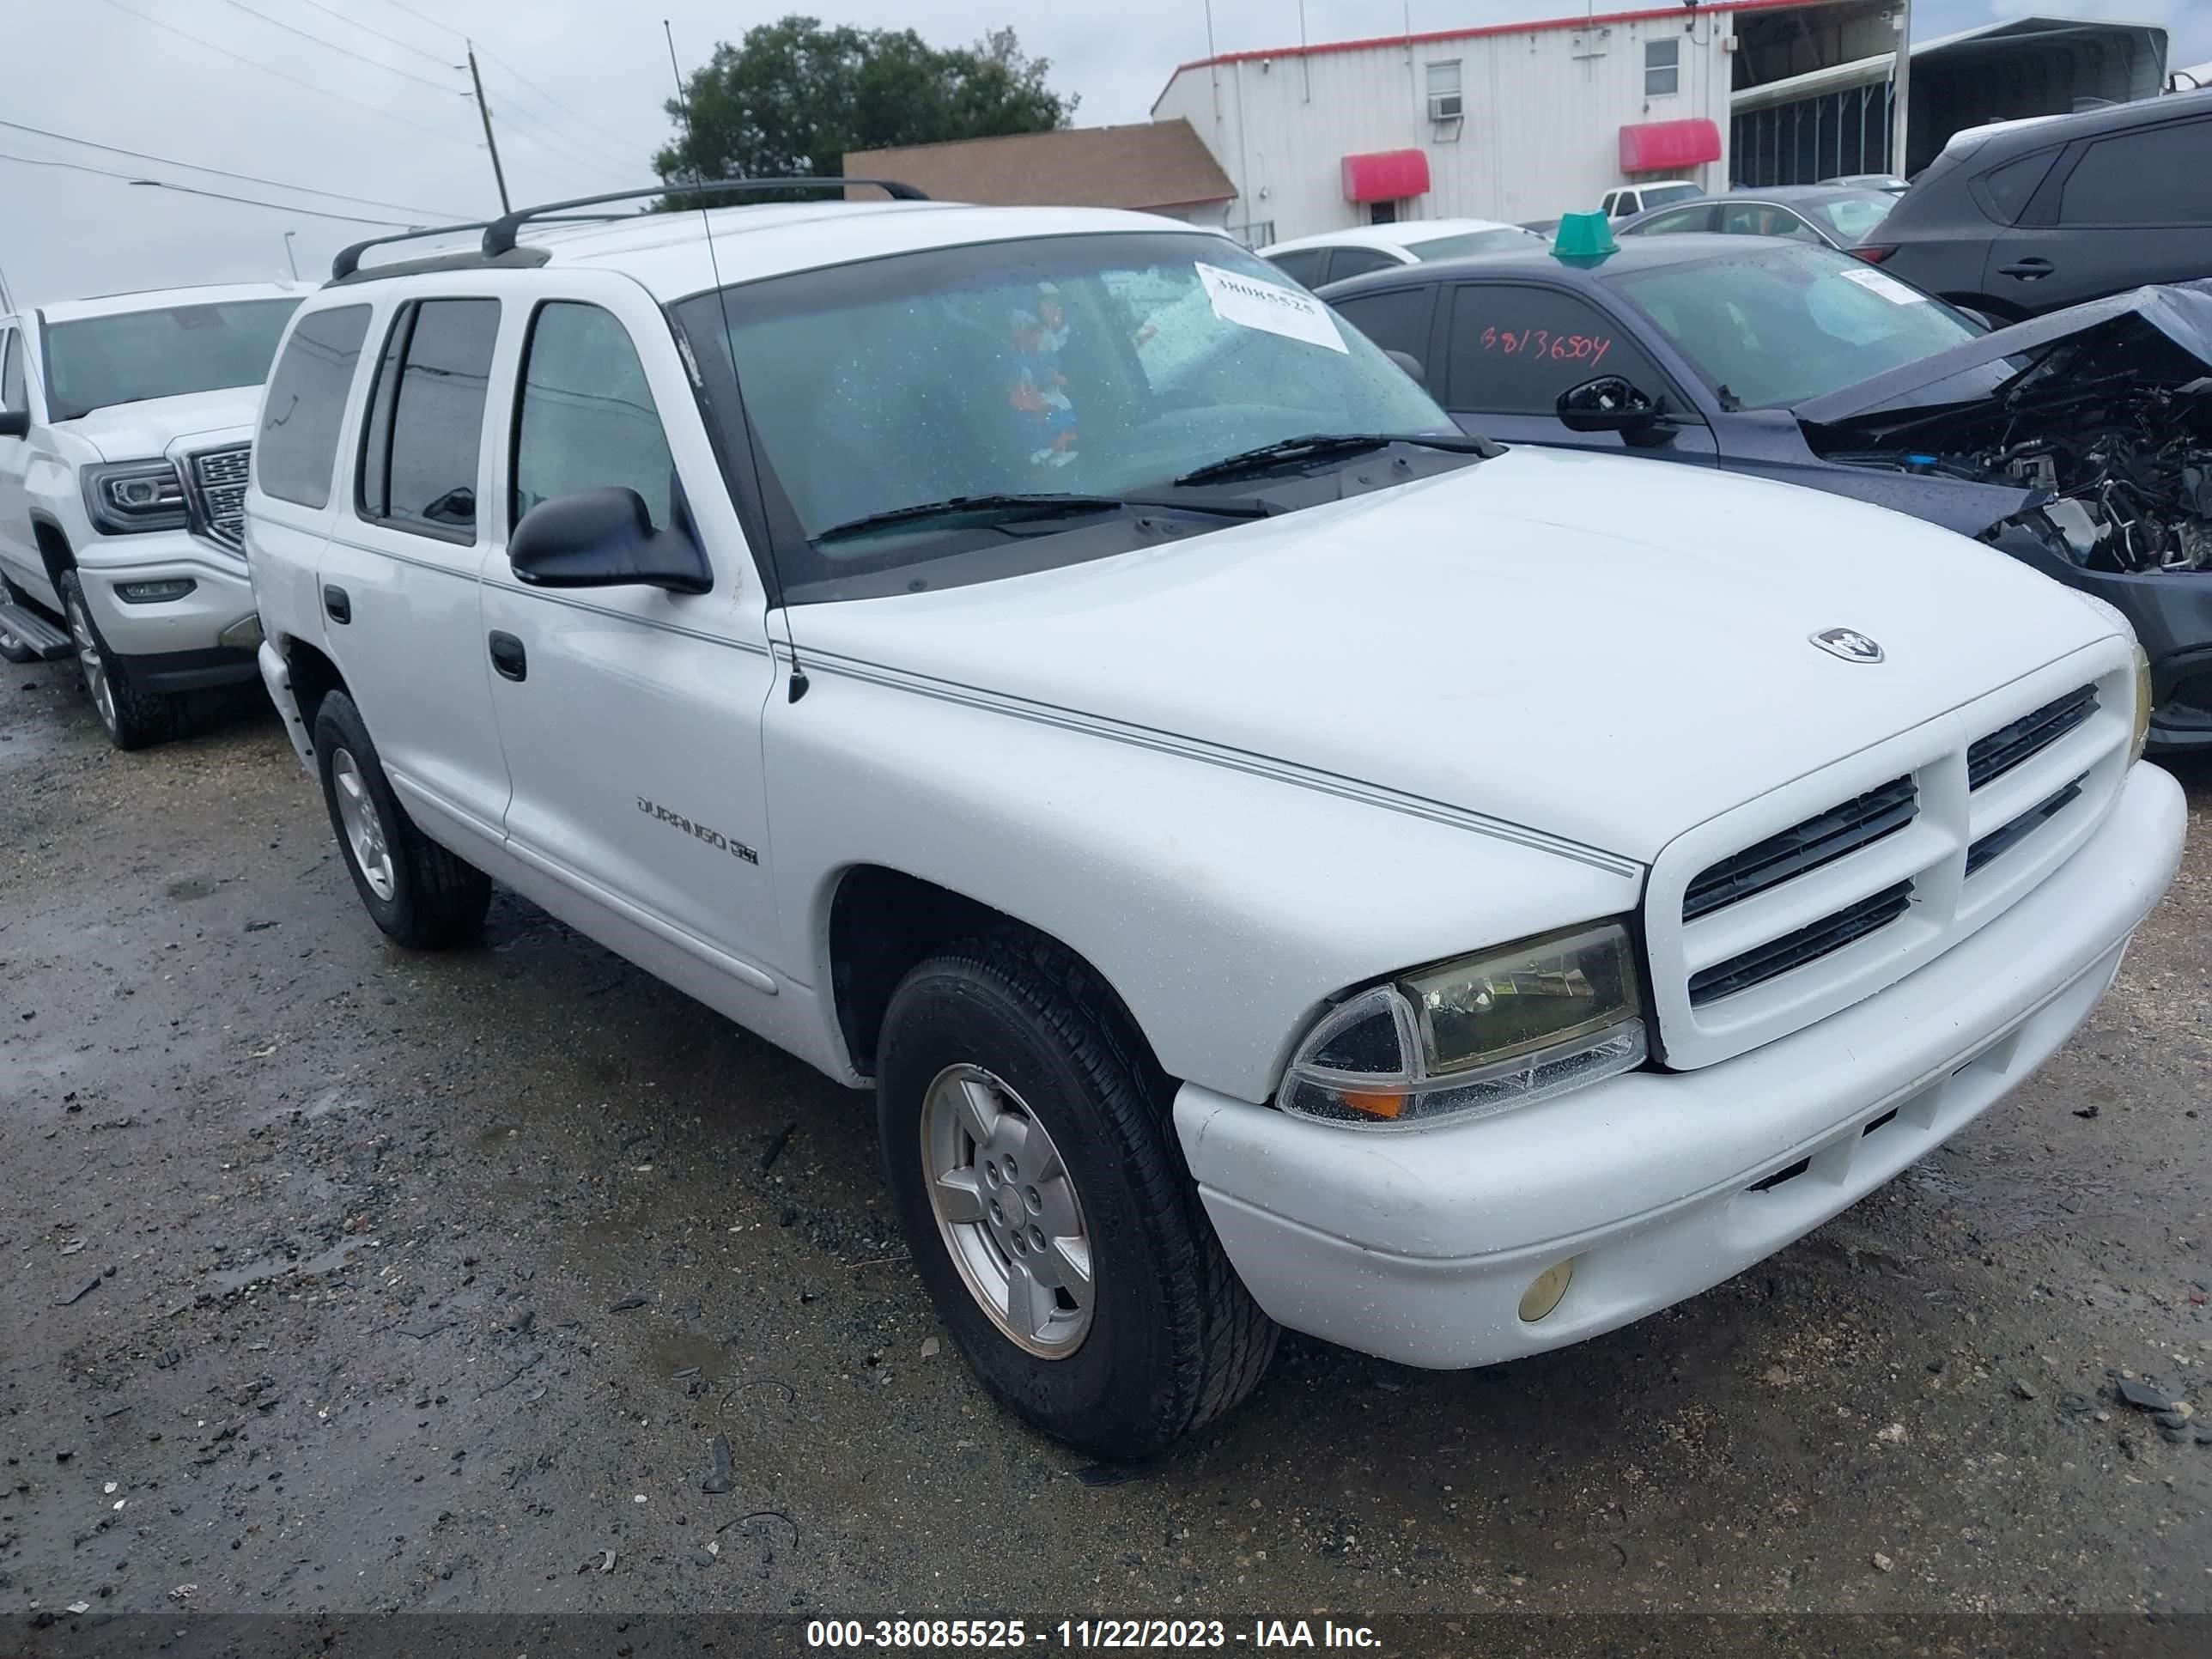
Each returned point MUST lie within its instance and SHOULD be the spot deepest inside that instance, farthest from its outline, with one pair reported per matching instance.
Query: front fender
(1223, 901)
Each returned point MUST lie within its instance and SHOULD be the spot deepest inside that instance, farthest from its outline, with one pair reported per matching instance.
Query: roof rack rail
(499, 234)
(349, 259)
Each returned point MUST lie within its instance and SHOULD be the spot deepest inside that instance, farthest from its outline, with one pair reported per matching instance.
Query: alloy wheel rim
(1008, 1212)
(92, 665)
(363, 826)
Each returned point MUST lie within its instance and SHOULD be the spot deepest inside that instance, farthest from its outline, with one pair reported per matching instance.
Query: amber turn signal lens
(1374, 1105)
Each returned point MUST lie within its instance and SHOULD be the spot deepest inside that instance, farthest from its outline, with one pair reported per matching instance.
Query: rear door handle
(2027, 270)
(336, 605)
(508, 656)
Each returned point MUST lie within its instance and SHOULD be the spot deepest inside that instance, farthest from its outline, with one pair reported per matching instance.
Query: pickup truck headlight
(1475, 1035)
(134, 495)
(2142, 706)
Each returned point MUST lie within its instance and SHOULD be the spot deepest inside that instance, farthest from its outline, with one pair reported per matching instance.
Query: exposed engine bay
(2110, 431)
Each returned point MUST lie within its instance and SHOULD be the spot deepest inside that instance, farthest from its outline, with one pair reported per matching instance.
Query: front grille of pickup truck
(1792, 907)
(218, 493)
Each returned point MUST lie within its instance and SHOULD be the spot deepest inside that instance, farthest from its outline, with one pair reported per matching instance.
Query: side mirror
(14, 422)
(605, 539)
(1609, 403)
(1412, 365)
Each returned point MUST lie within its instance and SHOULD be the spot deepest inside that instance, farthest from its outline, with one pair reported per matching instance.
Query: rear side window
(1302, 265)
(1397, 321)
(2006, 189)
(1358, 261)
(585, 417)
(296, 449)
(1681, 219)
(12, 392)
(418, 464)
(1514, 350)
(2156, 176)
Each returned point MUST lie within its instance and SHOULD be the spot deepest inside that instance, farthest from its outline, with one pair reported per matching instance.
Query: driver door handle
(508, 656)
(2027, 270)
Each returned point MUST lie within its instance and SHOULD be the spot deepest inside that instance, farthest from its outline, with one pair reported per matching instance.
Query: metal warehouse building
(1530, 120)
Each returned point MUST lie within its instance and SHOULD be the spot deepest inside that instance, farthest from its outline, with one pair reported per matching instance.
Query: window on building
(586, 419)
(1662, 68)
(2156, 176)
(297, 447)
(1444, 101)
(426, 420)
(1383, 213)
(1515, 349)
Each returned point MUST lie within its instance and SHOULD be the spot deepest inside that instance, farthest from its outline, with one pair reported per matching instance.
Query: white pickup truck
(1277, 860)
(124, 424)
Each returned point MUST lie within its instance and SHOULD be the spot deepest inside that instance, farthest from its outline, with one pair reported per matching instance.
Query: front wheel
(1029, 1154)
(420, 894)
(131, 717)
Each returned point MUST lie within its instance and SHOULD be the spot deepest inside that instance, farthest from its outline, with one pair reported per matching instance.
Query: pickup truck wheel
(1048, 1206)
(131, 718)
(417, 892)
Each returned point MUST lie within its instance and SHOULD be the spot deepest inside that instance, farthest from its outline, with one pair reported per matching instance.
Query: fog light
(154, 593)
(1545, 1291)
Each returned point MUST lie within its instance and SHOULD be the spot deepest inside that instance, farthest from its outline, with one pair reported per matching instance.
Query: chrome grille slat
(218, 479)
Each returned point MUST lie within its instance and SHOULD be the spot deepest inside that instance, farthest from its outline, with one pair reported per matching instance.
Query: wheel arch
(54, 550)
(314, 676)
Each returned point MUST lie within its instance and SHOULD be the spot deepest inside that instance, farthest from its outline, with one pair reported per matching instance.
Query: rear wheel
(1029, 1149)
(132, 718)
(420, 894)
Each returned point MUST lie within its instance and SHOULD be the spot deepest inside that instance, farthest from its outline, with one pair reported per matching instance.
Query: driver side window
(586, 418)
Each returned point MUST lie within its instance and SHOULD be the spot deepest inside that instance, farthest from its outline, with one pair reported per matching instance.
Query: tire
(132, 718)
(1166, 1339)
(417, 892)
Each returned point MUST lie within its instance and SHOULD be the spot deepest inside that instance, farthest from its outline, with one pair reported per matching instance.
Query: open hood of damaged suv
(2161, 333)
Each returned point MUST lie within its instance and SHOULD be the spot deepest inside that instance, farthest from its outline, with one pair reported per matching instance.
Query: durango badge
(1848, 643)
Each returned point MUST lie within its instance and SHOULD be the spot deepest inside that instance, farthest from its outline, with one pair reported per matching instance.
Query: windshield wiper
(1012, 508)
(1315, 446)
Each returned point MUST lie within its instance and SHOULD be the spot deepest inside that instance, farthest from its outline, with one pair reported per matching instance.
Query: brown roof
(1149, 164)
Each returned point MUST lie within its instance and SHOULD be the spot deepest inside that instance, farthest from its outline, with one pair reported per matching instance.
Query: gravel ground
(343, 1280)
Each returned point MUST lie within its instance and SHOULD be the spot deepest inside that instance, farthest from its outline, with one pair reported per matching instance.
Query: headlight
(134, 495)
(2142, 706)
(1475, 1035)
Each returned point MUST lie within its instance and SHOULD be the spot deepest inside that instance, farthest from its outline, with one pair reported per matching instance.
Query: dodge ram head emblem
(1848, 644)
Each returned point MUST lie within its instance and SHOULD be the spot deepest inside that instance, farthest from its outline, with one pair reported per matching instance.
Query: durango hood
(1600, 649)
(143, 431)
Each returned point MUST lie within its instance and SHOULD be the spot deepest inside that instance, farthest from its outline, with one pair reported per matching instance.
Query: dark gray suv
(2035, 215)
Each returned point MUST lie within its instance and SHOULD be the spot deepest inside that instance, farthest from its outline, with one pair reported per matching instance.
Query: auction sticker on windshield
(1889, 288)
(1252, 304)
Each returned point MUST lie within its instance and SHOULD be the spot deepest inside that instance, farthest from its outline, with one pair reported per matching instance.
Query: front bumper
(1418, 1246)
(217, 616)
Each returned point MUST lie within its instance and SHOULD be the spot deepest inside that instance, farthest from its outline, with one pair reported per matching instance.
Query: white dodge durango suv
(124, 427)
(1276, 859)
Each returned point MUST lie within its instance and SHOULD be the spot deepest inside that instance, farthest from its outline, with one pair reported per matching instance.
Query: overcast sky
(575, 85)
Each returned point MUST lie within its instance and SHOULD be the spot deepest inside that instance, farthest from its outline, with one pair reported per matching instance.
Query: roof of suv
(2001, 138)
(1403, 234)
(153, 299)
(669, 253)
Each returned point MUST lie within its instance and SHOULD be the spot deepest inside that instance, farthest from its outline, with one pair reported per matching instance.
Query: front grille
(1808, 944)
(2011, 835)
(219, 490)
(1991, 757)
(1803, 848)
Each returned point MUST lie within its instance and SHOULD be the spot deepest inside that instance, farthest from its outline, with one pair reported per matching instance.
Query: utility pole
(289, 257)
(1900, 87)
(490, 143)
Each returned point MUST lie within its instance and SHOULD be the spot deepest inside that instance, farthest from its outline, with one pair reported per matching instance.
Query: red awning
(1387, 175)
(1667, 146)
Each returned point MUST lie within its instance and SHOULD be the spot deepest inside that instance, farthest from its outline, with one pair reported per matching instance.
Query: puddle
(274, 1266)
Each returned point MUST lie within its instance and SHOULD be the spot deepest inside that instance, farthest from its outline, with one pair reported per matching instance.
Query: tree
(793, 97)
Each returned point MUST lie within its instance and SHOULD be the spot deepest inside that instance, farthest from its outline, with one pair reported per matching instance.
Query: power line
(606, 168)
(242, 178)
(393, 40)
(265, 69)
(333, 46)
(220, 196)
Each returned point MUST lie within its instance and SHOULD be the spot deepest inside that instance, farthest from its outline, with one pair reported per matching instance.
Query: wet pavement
(344, 1279)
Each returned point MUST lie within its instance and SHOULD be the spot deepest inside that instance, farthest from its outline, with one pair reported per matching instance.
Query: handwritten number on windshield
(1542, 342)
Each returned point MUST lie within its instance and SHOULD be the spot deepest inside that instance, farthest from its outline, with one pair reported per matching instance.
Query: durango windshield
(130, 357)
(1772, 326)
(1102, 366)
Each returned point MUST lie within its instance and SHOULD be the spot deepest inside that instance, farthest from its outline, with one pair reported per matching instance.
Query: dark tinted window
(419, 461)
(586, 418)
(1514, 350)
(2158, 176)
(297, 446)
(1358, 261)
(13, 395)
(1764, 219)
(1667, 224)
(1301, 265)
(1397, 321)
(2007, 188)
